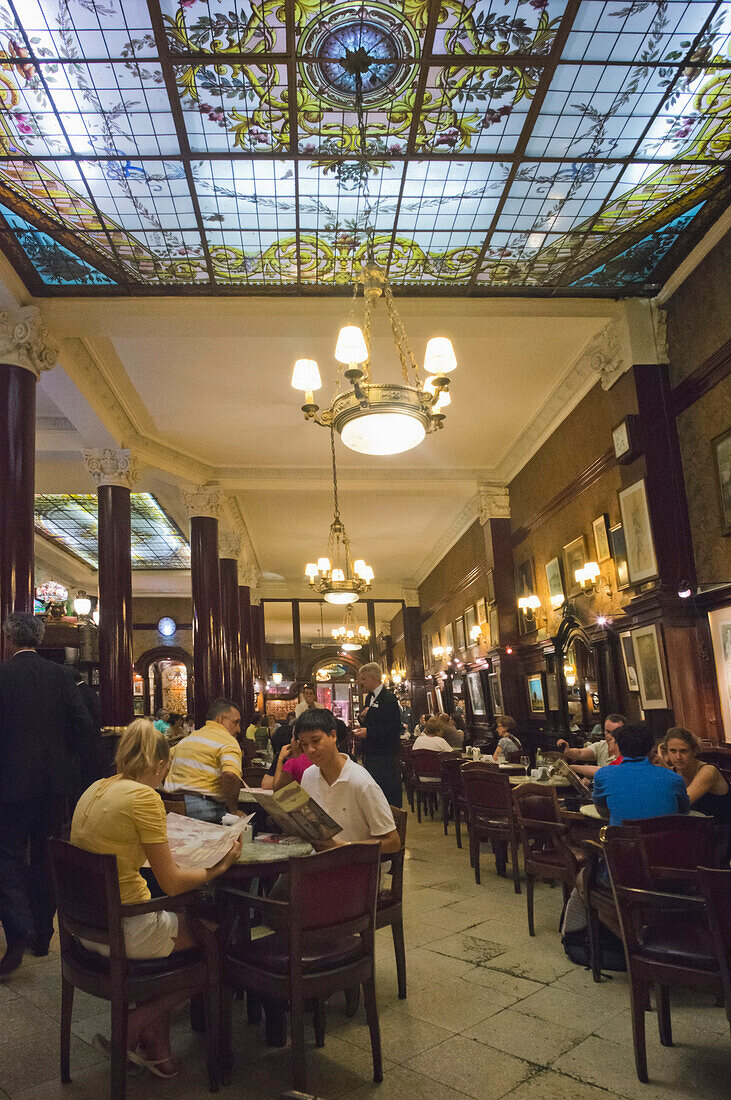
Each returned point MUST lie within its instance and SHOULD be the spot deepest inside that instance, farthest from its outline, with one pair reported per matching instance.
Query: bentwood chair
(451, 765)
(87, 895)
(425, 769)
(547, 854)
(389, 911)
(666, 937)
(490, 817)
(716, 887)
(323, 942)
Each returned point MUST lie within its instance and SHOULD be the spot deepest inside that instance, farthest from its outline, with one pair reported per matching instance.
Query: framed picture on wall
(439, 701)
(426, 653)
(470, 621)
(449, 636)
(720, 624)
(619, 553)
(524, 586)
(434, 642)
(477, 699)
(649, 668)
(641, 558)
(481, 612)
(600, 527)
(494, 627)
(551, 691)
(574, 557)
(628, 658)
(496, 695)
(722, 460)
(555, 583)
(490, 586)
(536, 696)
(459, 634)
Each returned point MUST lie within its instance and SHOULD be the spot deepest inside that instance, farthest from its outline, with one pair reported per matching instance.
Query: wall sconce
(276, 677)
(529, 605)
(82, 605)
(442, 652)
(396, 676)
(569, 674)
(589, 577)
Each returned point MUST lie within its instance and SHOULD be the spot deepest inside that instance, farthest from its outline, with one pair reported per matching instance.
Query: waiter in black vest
(380, 732)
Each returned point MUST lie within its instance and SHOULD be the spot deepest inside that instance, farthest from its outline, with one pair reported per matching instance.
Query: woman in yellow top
(124, 816)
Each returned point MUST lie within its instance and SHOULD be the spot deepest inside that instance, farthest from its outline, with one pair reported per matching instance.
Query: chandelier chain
(405, 353)
(335, 472)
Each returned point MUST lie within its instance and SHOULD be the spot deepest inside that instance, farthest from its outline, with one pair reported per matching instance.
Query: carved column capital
(110, 467)
(247, 576)
(609, 353)
(229, 546)
(410, 596)
(493, 502)
(25, 340)
(203, 500)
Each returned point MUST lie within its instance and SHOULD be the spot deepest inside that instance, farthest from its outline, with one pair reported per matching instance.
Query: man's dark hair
(634, 741)
(24, 630)
(309, 687)
(220, 706)
(173, 718)
(311, 720)
(615, 719)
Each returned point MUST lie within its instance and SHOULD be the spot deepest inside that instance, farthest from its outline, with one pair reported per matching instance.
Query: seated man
(206, 765)
(637, 788)
(587, 761)
(344, 789)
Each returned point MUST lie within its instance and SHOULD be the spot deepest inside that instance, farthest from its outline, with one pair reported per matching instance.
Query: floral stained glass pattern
(214, 145)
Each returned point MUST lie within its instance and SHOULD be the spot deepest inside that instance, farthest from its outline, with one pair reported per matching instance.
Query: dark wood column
(257, 649)
(17, 487)
(204, 505)
(415, 660)
(297, 639)
(495, 511)
(115, 473)
(373, 642)
(230, 617)
(247, 653)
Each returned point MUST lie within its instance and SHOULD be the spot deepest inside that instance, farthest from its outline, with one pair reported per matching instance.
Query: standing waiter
(381, 732)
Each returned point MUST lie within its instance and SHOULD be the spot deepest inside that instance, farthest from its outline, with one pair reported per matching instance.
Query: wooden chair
(173, 803)
(425, 769)
(407, 776)
(323, 942)
(253, 775)
(716, 887)
(451, 765)
(666, 937)
(490, 817)
(87, 895)
(546, 852)
(389, 910)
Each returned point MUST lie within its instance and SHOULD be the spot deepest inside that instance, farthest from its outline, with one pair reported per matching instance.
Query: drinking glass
(525, 761)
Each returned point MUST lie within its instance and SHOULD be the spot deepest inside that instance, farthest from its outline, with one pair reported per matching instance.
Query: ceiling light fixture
(349, 635)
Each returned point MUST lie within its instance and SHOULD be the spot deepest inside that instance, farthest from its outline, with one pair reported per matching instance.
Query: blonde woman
(708, 791)
(123, 816)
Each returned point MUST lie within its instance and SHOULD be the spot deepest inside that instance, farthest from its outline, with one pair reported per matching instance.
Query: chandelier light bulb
(306, 375)
(439, 357)
(82, 605)
(386, 433)
(351, 345)
(338, 575)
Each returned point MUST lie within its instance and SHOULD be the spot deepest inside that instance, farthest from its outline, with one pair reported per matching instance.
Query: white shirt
(354, 800)
(303, 706)
(437, 744)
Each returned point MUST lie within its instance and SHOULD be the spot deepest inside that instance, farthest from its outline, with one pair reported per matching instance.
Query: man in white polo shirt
(343, 788)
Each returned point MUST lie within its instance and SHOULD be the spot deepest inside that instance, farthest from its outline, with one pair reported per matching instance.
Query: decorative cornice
(493, 502)
(462, 522)
(229, 546)
(609, 353)
(203, 500)
(410, 596)
(25, 341)
(109, 467)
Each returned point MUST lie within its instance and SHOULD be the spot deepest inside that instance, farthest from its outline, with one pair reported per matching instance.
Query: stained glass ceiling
(212, 146)
(71, 520)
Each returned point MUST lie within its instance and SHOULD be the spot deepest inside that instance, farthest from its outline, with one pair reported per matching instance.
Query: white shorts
(146, 936)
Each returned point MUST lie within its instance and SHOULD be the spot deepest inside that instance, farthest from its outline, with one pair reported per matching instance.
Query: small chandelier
(337, 577)
(349, 636)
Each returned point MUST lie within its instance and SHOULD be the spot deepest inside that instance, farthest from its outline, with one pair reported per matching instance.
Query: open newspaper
(296, 813)
(562, 768)
(201, 843)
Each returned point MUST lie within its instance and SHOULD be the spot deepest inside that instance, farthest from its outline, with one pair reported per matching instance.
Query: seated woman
(176, 729)
(431, 738)
(292, 763)
(123, 816)
(708, 791)
(507, 739)
(450, 733)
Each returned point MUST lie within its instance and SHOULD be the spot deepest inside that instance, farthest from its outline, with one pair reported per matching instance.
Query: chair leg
(212, 1005)
(664, 1023)
(458, 826)
(318, 1022)
(371, 1010)
(227, 1058)
(501, 856)
(516, 867)
(638, 1004)
(445, 814)
(67, 1007)
(118, 1057)
(399, 949)
(475, 854)
(529, 889)
(418, 806)
(297, 1027)
(352, 1000)
(253, 1008)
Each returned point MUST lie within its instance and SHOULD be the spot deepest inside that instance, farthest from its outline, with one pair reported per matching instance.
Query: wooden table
(554, 781)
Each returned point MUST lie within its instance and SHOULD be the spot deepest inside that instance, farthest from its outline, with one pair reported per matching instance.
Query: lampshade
(306, 375)
(444, 398)
(311, 570)
(338, 575)
(384, 433)
(323, 565)
(82, 605)
(351, 345)
(439, 357)
(591, 570)
(534, 602)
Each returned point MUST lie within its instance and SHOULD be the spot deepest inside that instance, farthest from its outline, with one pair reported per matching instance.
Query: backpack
(611, 951)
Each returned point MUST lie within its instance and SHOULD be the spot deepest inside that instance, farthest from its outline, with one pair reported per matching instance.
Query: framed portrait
(459, 634)
(490, 586)
(574, 557)
(449, 636)
(438, 700)
(481, 612)
(138, 687)
(477, 699)
(720, 624)
(619, 553)
(600, 527)
(524, 586)
(494, 627)
(426, 652)
(649, 668)
(496, 694)
(434, 641)
(536, 697)
(555, 583)
(722, 460)
(628, 658)
(470, 621)
(641, 560)
(551, 691)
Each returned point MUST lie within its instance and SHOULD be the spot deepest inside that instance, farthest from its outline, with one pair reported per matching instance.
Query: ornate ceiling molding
(203, 501)
(229, 546)
(109, 467)
(493, 502)
(410, 596)
(25, 341)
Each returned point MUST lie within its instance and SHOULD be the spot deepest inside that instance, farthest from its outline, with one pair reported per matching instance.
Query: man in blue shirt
(636, 788)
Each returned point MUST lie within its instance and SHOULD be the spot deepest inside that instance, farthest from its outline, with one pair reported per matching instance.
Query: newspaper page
(564, 769)
(297, 814)
(201, 843)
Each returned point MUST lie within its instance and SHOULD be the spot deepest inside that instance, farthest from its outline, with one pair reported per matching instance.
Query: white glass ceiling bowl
(340, 596)
(383, 433)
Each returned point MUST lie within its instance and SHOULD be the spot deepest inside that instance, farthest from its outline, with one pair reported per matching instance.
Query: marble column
(257, 617)
(414, 655)
(229, 547)
(25, 351)
(247, 653)
(114, 472)
(205, 504)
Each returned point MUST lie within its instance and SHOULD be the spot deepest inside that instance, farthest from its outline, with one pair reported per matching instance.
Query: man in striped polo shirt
(206, 765)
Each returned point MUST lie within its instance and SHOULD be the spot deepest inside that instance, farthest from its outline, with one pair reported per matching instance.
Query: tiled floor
(490, 1013)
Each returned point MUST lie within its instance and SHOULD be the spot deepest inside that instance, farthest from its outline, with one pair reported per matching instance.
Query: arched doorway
(167, 680)
(335, 678)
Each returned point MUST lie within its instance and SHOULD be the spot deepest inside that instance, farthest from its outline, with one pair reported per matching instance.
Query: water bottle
(540, 762)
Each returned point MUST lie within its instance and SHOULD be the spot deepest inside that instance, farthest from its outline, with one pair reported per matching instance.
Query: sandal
(103, 1045)
(154, 1066)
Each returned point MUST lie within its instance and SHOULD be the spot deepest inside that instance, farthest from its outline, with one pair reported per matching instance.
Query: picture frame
(554, 578)
(641, 560)
(574, 557)
(525, 586)
(719, 621)
(600, 526)
(477, 699)
(449, 636)
(494, 627)
(536, 694)
(459, 634)
(721, 446)
(481, 609)
(649, 668)
(551, 691)
(470, 621)
(496, 694)
(490, 584)
(434, 641)
(426, 652)
(628, 659)
(619, 553)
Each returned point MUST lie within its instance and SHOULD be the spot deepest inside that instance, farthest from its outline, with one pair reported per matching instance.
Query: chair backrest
(254, 775)
(678, 841)
(332, 895)
(487, 790)
(716, 887)
(400, 819)
(86, 887)
(626, 858)
(175, 806)
(425, 763)
(535, 802)
(451, 767)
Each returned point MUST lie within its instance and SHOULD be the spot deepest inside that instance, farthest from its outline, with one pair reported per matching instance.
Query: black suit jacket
(46, 734)
(383, 723)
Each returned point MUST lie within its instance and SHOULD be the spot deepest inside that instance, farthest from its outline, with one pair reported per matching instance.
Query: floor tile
(548, 1085)
(455, 1005)
(469, 948)
(404, 1084)
(533, 964)
(525, 1036)
(402, 1035)
(472, 1068)
(561, 1006)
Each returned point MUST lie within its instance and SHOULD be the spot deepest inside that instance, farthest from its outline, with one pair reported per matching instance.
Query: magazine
(196, 843)
(292, 809)
(562, 768)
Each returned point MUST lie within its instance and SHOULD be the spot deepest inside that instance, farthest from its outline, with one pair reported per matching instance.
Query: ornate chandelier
(337, 577)
(349, 636)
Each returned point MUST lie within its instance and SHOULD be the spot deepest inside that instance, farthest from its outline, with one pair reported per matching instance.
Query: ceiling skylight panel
(498, 26)
(622, 30)
(79, 29)
(208, 26)
(240, 108)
